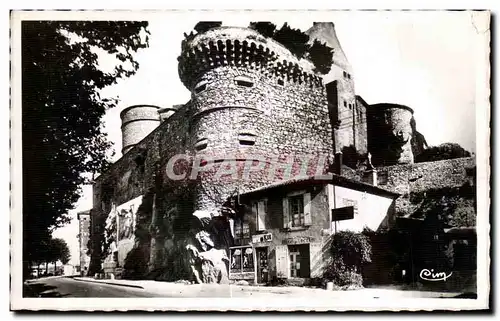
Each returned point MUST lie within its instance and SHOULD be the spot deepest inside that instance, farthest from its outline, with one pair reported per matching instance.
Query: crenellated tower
(251, 97)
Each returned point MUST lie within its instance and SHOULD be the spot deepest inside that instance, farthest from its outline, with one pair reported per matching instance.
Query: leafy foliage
(63, 138)
(442, 152)
(453, 206)
(296, 41)
(203, 26)
(265, 28)
(321, 55)
(52, 250)
(349, 251)
(59, 251)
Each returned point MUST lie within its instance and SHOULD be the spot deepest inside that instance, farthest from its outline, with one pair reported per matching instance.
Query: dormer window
(201, 144)
(201, 86)
(244, 81)
(247, 138)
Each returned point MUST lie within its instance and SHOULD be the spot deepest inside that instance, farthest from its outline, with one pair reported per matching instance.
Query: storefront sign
(261, 238)
(299, 240)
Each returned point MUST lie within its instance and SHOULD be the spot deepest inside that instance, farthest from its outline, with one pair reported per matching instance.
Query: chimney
(338, 163)
(370, 175)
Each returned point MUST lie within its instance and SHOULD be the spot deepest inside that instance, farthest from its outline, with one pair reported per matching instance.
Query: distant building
(83, 238)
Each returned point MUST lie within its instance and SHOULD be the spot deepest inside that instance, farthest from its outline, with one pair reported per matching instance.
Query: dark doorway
(299, 261)
(262, 265)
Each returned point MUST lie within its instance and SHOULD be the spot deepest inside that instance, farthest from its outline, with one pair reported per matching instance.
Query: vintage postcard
(250, 160)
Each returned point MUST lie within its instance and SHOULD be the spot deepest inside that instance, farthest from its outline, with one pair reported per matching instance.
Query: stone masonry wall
(419, 177)
(241, 88)
(284, 111)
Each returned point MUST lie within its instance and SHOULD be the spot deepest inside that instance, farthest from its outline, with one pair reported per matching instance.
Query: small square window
(244, 81)
(201, 144)
(246, 138)
(201, 86)
(281, 82)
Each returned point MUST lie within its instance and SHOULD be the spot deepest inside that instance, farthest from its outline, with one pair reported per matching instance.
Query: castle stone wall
(390, 133)
(137, 122)
(420, 177)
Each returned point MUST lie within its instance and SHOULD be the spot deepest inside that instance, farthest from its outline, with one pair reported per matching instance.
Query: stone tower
(348, 111)
(251, 98)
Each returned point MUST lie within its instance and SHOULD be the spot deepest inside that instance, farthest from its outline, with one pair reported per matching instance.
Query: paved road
(67, 287)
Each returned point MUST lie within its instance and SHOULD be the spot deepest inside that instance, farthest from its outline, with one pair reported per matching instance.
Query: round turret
(137, 122)
(251, 98)
(390, 133)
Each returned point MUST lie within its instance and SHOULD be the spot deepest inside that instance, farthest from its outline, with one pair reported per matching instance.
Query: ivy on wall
(454, 206)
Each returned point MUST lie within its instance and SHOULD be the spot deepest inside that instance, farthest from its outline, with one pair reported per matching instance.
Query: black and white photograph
(250, 160)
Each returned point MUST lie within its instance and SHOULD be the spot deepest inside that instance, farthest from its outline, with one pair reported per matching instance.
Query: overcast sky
(425, 60)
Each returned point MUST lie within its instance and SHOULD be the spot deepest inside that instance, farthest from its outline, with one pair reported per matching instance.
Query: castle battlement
(242, 47)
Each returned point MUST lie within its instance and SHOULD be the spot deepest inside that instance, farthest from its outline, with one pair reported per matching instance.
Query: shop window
(242, 260)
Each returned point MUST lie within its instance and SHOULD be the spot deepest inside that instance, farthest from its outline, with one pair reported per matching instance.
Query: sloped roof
(332, 179)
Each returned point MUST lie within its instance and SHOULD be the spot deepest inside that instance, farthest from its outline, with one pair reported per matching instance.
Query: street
(68, 287)
(53, 287)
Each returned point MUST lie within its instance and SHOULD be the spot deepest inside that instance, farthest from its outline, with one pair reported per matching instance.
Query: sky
(424, 60)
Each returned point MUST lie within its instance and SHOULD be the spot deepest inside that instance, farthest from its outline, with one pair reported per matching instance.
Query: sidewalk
(214, 290)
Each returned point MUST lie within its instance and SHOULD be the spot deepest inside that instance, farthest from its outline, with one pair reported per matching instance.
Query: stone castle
(250, 96)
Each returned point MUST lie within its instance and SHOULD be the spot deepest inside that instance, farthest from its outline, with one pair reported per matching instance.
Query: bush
(442, 152)
(349, 251)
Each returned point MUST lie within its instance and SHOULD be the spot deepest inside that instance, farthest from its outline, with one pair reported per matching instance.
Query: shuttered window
(297, 210)
(260, 210)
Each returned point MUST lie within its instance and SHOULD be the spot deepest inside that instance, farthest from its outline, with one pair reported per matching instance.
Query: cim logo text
(427, 275)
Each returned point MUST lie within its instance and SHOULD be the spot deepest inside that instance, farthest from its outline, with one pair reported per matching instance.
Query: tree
(63, 138)
(60, 251)
(203, 26)
(349, 251)
(297, 42)
(442, 152)
(267, 29)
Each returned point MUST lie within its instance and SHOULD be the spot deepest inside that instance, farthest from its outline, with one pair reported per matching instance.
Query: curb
(109, 283)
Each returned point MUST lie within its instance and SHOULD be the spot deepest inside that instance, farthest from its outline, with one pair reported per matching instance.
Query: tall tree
(63, 138)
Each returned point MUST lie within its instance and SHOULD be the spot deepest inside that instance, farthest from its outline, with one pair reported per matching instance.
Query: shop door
(299, 261)
(262, 265)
